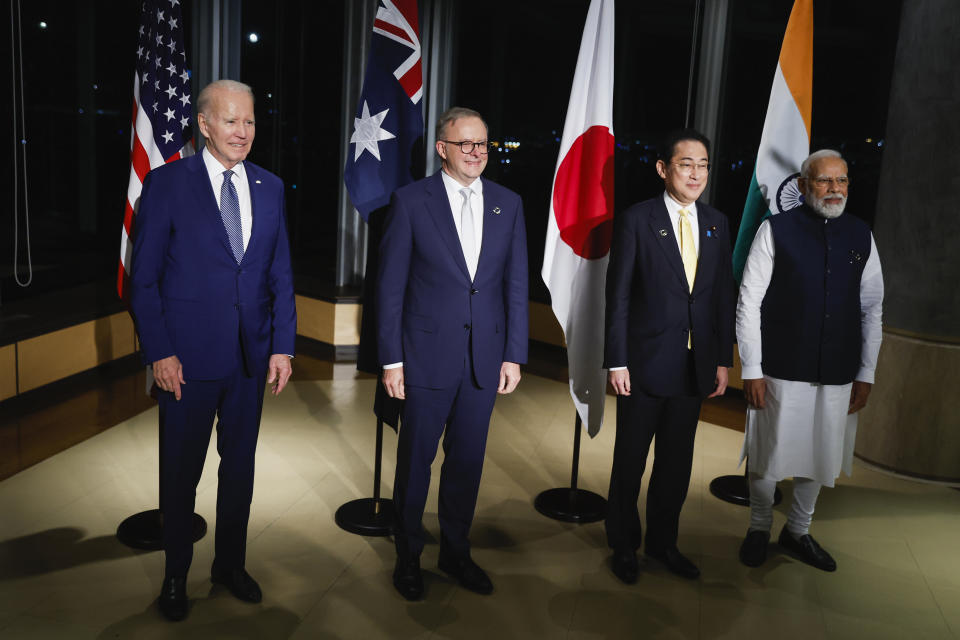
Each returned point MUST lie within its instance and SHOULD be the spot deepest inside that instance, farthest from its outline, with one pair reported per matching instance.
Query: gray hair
(817, 155)
(203, 100)
(455, 113)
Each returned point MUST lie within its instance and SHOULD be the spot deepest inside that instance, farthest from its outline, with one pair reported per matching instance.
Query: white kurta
(804, 430)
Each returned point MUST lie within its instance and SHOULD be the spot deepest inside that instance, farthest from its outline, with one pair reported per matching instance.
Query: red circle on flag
(583, 194)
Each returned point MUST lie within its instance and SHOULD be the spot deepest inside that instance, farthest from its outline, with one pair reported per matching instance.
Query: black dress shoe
(753, 551)
(407, 579)
(675, 561)
(624, 564)
(241, 585)
(467, 573)
(806, 549)
(173, 599)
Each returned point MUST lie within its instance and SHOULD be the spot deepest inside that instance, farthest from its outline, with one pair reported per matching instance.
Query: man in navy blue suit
(212, 296)
(669, 342)
(451, 333)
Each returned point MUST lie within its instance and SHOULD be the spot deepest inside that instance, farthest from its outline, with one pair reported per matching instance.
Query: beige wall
(62, 353)
(8, 371)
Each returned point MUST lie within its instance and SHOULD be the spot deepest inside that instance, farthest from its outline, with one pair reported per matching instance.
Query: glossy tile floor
(64, 575)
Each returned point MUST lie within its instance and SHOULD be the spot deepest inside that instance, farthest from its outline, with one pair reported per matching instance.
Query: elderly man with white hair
(808, 329)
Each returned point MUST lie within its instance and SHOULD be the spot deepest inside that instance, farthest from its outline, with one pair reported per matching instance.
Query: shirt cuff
(394, 365)
(616, 368)
(865, 375)
(751, 372)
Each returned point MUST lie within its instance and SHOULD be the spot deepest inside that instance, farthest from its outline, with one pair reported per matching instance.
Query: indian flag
(785, 142)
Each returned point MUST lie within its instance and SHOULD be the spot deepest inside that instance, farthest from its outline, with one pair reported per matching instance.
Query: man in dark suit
(669, 342)
(212, 296)
(452, 333)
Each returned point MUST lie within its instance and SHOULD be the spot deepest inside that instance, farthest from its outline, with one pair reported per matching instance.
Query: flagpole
(736, 489)
(570, 504)
(369, 516)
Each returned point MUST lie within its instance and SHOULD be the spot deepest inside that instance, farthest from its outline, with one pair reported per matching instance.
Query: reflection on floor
(63, 575)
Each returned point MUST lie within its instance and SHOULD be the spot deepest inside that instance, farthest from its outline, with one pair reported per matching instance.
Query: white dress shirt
(456, 206)
(673, 209)
(756, 278)
(239, 178)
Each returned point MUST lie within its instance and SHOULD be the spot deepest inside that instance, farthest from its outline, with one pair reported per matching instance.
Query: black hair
(671, 140)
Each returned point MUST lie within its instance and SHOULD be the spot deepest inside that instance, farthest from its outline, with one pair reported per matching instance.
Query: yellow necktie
(688, 253)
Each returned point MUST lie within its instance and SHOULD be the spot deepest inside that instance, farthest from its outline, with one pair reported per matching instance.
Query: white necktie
(468, 238)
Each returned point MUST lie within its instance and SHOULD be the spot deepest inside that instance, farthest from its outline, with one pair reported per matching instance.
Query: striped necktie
(230, 214)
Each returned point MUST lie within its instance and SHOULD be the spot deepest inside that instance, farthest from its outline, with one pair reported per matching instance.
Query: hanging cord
(16, 61)
(693, 60)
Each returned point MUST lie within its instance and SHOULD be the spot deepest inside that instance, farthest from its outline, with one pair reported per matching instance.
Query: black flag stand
(144, 530)
(736, 489)
(572, 504)
(368, 516)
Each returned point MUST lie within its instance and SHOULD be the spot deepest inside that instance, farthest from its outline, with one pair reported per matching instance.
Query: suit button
(466, 326)
(828, 315)
(239, 270)
(691, 299)
(236, 306)
(473, 292)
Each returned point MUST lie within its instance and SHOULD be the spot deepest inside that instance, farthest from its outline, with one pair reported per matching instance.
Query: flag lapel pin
(712, 232)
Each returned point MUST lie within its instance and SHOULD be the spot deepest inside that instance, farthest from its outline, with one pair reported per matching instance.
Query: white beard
(824, 209)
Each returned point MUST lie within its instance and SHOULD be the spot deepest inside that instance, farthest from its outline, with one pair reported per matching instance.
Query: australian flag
(386, 145)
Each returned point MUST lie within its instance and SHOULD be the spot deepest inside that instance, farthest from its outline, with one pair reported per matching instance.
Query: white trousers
(805, 492)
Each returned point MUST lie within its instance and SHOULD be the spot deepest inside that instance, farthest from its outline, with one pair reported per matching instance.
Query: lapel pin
(663, 233)
(496, 210)
(712, 232)
(258, 182)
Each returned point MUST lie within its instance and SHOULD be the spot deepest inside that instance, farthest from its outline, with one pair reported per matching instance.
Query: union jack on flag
(388, 127)
(161, 130)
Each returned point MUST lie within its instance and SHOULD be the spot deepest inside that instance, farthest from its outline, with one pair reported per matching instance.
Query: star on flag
(367, 132)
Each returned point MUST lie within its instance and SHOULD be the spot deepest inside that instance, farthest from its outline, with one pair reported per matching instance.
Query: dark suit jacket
(650, 307)
(189, 296)
(427, 307)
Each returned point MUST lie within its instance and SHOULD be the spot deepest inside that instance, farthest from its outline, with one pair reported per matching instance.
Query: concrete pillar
(911, 424)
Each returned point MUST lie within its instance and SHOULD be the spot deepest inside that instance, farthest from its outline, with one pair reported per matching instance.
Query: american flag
(388, 126)
(161, 129)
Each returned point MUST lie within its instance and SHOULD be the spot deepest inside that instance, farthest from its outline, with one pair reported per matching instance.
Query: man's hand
(755, 391)
(721, 383)
(509, 377)
(168, 374)
(858, 396)
(620, 381)
(393, 383)
(279, 372)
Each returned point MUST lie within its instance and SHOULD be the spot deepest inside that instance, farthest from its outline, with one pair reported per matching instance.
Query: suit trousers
(461, 414)
(185, 426)
(640, 418)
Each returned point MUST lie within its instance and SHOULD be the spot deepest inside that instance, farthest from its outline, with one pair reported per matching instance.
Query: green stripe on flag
(755, 211)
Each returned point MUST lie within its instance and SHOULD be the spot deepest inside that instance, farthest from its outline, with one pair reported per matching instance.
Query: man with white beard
(808, 329)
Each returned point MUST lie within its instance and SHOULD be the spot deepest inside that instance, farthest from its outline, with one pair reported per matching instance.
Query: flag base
(144, 530)
(366, 516)
(736, 490)
(571, 505)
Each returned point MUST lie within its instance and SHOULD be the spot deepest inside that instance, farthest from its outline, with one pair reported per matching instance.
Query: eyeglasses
(688, 167)
(824, 182)
(467, 146)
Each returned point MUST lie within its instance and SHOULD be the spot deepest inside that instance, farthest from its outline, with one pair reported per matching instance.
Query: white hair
(203, 100)
(818, 155)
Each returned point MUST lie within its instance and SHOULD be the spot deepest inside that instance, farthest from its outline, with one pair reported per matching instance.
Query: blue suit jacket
(428, 311)
(650, 307)
(188, 295)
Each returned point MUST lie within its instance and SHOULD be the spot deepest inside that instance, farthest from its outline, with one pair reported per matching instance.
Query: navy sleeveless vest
(810, 315)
